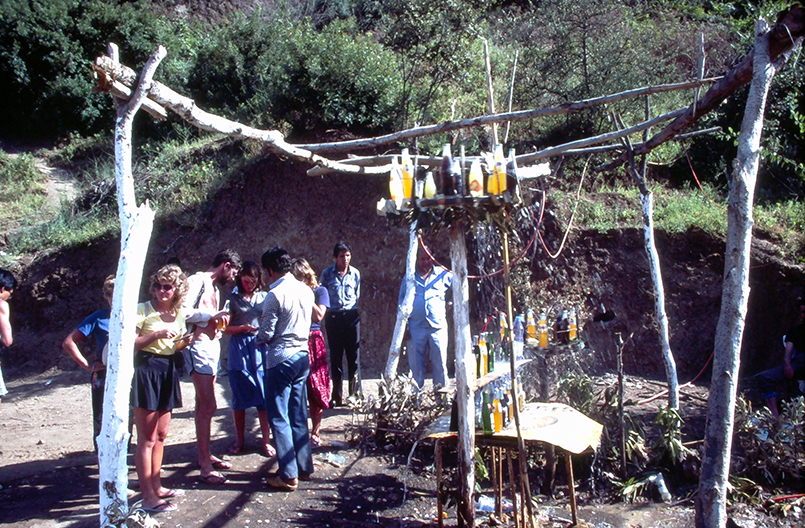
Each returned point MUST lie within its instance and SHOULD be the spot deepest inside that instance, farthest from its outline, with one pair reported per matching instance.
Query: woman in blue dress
(245, 358)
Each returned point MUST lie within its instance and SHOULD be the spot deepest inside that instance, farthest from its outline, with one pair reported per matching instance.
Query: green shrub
(46, 47)
(270, 71)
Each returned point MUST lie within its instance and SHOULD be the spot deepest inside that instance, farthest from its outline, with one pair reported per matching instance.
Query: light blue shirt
(285, 326)
(344, 291)
(430, 294)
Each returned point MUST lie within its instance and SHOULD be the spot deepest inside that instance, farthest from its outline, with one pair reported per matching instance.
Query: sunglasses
(163, 287)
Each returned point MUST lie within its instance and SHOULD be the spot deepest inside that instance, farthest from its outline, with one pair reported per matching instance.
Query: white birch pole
(403, 310)
(465, 365)
(135, 232)
(711, 501)
(647, 200)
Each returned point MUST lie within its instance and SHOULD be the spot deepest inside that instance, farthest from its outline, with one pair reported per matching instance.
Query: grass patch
(22, 188)
(66, 229)
(785, 224)
(178, 178)
(619, 207)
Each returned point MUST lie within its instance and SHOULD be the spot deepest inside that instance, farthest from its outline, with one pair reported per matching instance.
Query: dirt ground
(48, 472)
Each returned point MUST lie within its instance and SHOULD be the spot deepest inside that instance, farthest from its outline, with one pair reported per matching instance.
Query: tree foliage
(45, 51)
(273, 71)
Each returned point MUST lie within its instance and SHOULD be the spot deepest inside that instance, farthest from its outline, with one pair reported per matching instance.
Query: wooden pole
(521, 452)
(571, 488)
(135, 232)
(464, 367)
(490, 92)
(513, 487)
(438, 454)
(620, 411)
(511, 96)
(403, 310)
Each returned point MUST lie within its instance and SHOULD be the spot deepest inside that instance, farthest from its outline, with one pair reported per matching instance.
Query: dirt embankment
(273, 202)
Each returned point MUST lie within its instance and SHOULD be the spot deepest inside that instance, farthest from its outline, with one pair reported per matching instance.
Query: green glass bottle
(486, 415)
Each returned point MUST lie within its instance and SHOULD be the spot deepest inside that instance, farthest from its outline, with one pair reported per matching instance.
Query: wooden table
(554, 423)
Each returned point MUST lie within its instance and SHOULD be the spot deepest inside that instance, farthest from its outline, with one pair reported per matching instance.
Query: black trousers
(344, 337)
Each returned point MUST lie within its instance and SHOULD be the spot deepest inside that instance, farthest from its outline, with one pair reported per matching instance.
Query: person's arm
(193, 315)
(268, 323)
(6, 337)
(318, 312)
(788, 369)
(70, 345)
(321, 304)
(358, 289)
(239, 329)
(142, 341)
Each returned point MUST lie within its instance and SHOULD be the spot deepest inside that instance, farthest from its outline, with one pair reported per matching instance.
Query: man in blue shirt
(427, 324)
(342, 321)
(284, 330)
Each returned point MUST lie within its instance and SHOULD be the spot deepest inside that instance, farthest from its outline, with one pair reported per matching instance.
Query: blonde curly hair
(172, 274)
(303, 272)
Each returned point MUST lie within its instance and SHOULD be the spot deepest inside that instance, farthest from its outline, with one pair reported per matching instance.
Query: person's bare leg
(266, 432)
(239, 416)
(163, 422)
(146, 438)
(315, 417)
(205, 408)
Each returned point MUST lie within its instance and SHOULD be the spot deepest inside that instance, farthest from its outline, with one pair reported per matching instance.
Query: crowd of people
(277, 359)
(276, 317)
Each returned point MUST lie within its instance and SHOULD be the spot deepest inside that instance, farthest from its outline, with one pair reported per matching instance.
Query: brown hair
(303, 272)
(109, 286)
(249, 269)
(172, 274)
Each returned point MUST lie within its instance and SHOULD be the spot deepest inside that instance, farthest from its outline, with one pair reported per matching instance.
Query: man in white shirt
(202, 310)
(284, 330)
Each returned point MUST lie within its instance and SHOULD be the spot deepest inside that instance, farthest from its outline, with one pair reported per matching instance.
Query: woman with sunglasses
(155, 390)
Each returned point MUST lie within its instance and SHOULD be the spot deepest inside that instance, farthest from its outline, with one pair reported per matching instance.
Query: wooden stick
(432, 161)
(525, 486)
(513, 487)
(438, 455)
(494, 451)
(570, 107)
(511, 96)
(571, 488)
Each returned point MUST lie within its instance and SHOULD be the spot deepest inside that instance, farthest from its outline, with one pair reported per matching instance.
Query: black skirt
(156, 382)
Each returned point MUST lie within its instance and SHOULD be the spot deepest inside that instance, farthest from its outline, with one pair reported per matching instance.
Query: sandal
(269, 450)
(221, 465)
(173, 493)
(276, 482)
(315, 442)
(162, 507)
(213, 478)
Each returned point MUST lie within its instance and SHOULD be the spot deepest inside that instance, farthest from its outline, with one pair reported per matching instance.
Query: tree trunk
(465, 365)
(647, 201)
(659, 299)
(135, 232)
(404, 309)
(711, 500)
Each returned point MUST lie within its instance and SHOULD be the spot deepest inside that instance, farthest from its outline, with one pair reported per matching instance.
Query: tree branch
(522, 115)
(783, 36)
